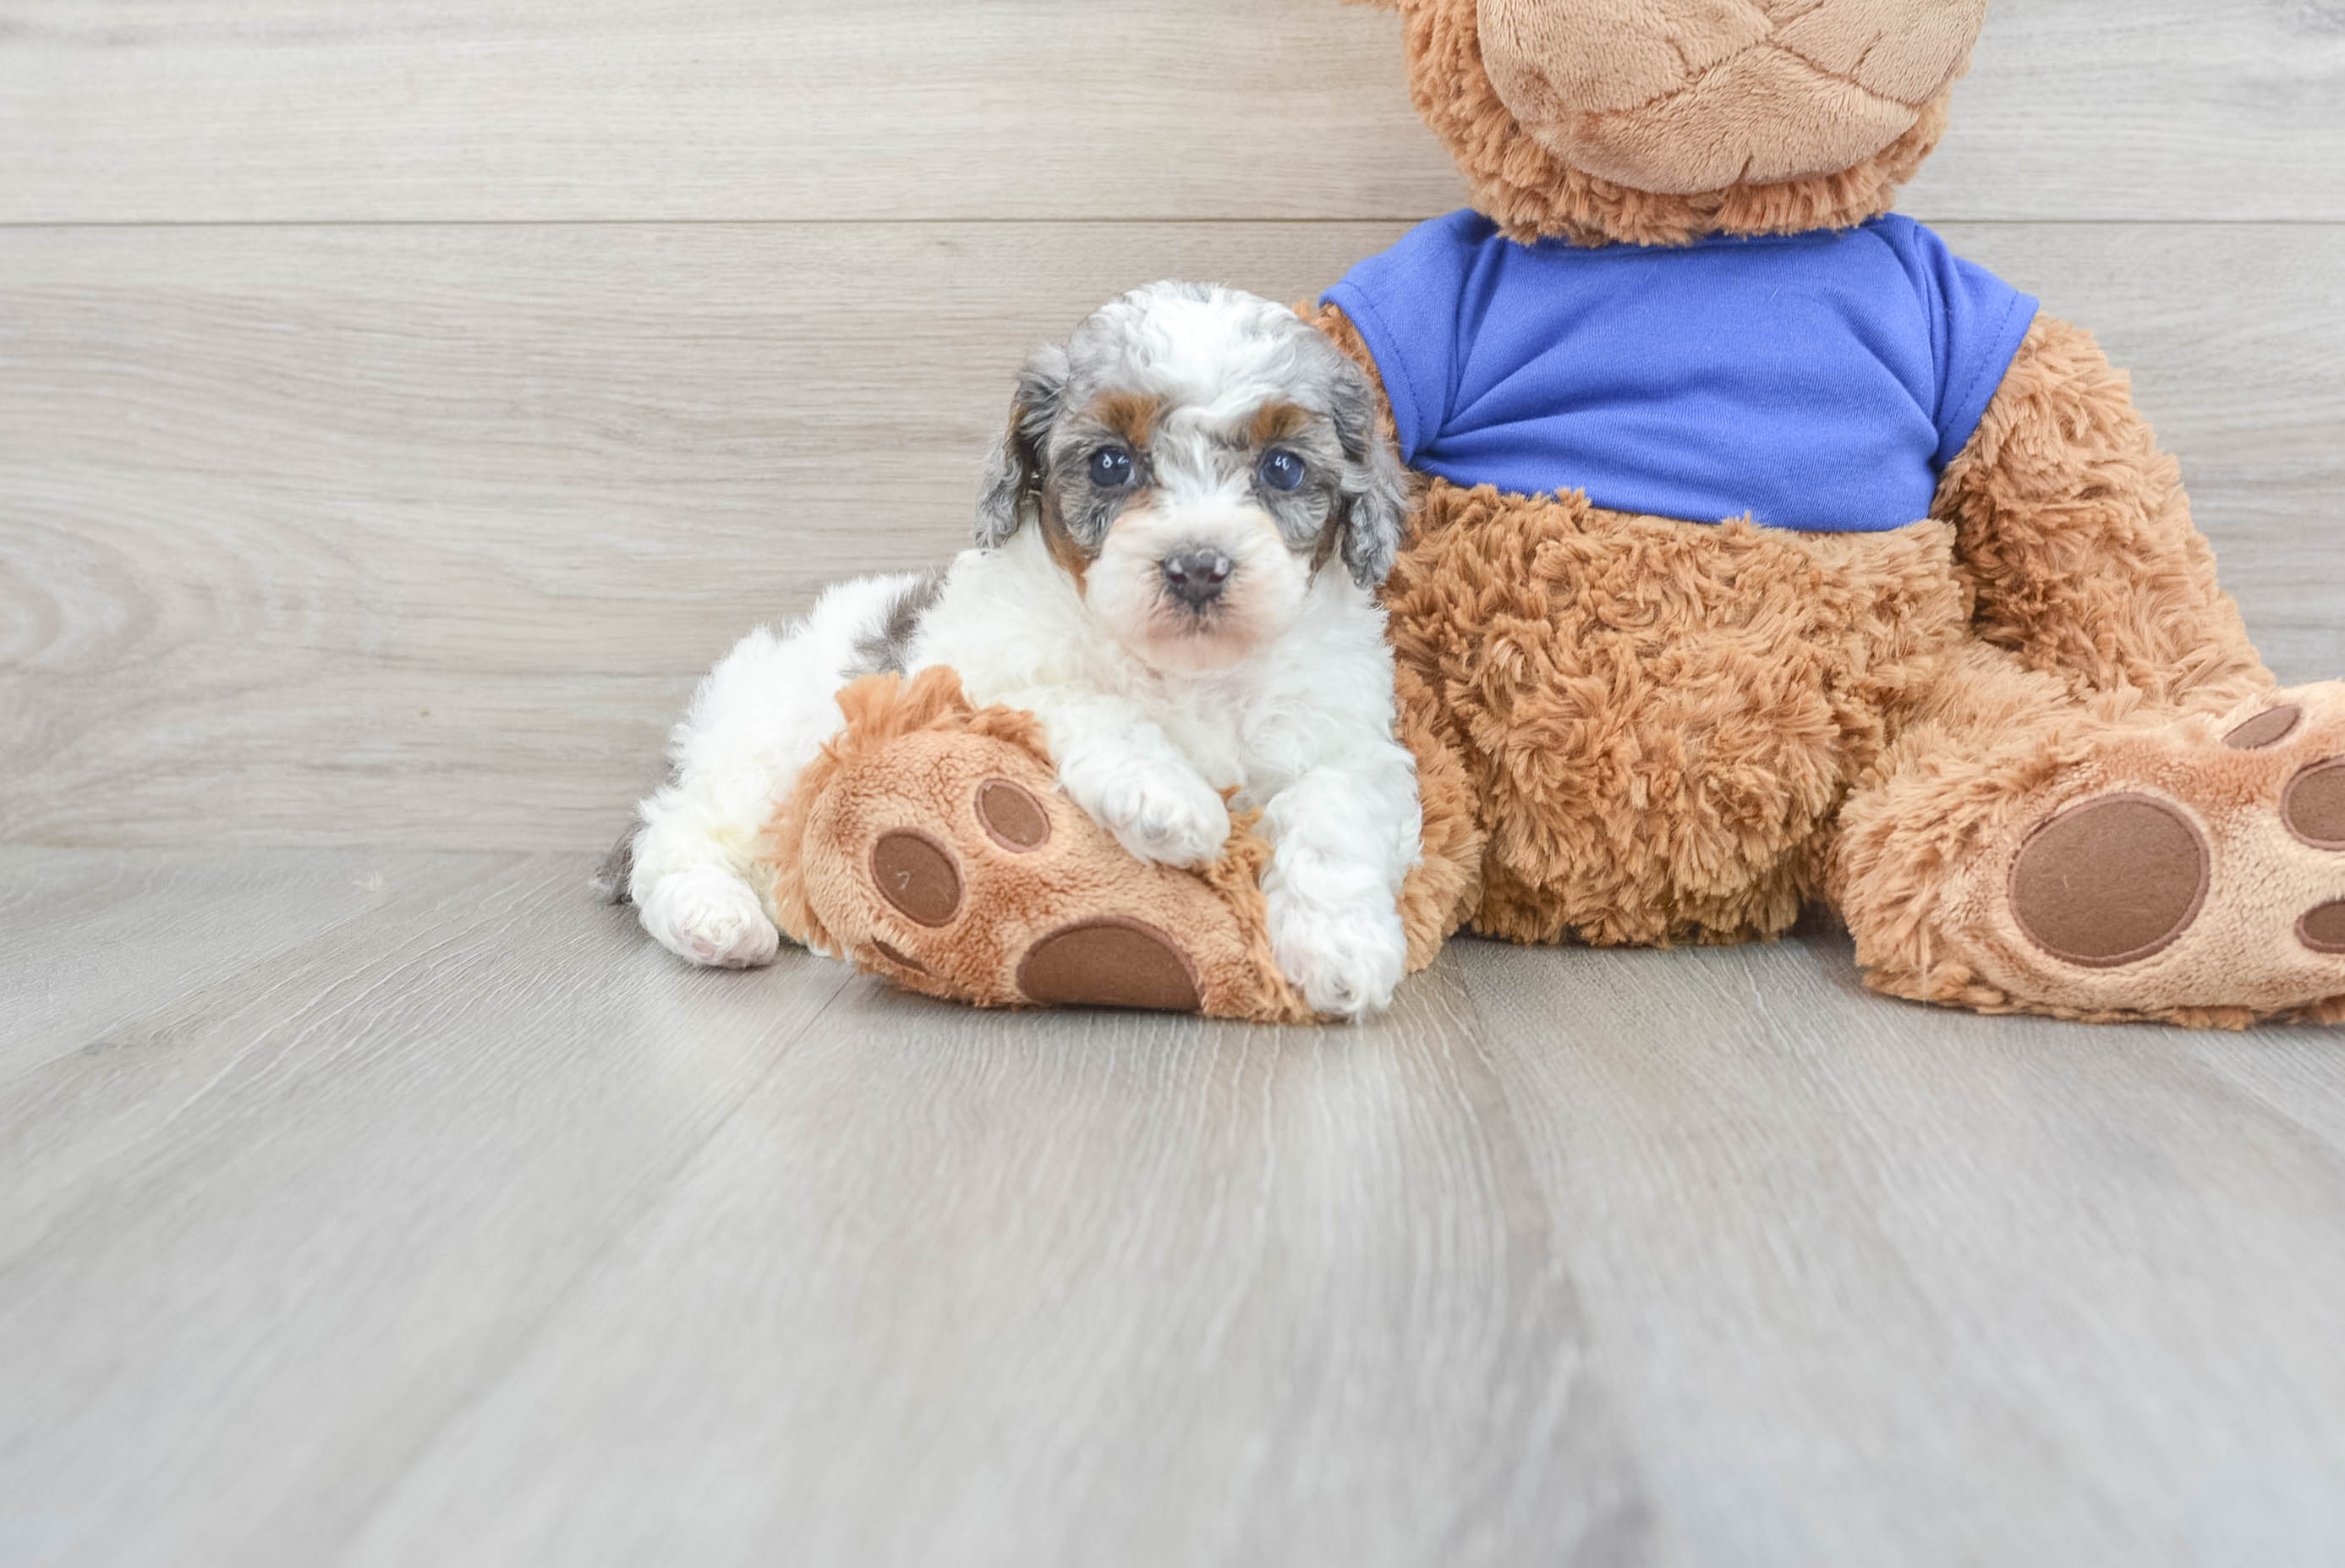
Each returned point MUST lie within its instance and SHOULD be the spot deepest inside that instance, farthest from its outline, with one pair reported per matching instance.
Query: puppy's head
(1192, 458)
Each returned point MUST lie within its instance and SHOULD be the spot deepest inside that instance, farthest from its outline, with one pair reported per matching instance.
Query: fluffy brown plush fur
(2074, 531)
(1685, 734)
(1531, 193)
(1923, 864)
(2023, 747)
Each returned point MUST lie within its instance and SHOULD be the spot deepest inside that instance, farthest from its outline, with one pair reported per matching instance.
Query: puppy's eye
(1111, 468)
(1282, 471)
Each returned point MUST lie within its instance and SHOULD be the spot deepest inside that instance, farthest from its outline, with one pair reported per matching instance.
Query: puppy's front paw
(1157, 811)
(711, 918)
(1345, 959)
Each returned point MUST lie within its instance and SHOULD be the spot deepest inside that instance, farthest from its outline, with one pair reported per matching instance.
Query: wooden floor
(401, 403)
(369, 1207)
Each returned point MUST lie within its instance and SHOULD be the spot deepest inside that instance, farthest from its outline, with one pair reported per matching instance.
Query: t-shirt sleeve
(1405, 304)
(1977, 322)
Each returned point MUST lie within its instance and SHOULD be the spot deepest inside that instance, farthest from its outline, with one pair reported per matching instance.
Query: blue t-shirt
(1817, 381)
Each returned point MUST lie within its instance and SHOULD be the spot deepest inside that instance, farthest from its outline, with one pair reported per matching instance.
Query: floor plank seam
(656, 1196)
(501, 861)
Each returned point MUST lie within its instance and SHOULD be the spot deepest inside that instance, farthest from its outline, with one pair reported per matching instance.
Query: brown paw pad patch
(917, 874)
(2314, 806)
(1012, 816)
(2111, 882)
(2265, 729)
(1112, 962)
(2323, 930)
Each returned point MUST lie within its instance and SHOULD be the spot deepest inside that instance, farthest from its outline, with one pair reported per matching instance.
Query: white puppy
(1178, 544)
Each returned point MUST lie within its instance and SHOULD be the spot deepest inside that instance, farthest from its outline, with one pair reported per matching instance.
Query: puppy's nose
(1196, 577)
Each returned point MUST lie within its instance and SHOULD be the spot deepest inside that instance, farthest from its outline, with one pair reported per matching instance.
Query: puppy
(1179, 538)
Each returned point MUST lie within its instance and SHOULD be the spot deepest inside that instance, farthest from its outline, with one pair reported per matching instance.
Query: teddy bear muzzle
(1685, 97)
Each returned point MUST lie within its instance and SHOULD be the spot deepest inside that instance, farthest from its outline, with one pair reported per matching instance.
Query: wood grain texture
(2087, 1273)
(260, 1243)
(381, 1205)
(480, 1231)
(94, 943)
(308, 110)
(420, 536)
(1130, 1290)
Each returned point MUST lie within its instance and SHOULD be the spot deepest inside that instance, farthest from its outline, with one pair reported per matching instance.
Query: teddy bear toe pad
(918, 876)
(2199, 867)
(2314, 808)
(2268, 727)
(1018, 821)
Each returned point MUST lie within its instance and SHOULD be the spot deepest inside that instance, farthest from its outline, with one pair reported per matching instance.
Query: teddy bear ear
(1011, 487)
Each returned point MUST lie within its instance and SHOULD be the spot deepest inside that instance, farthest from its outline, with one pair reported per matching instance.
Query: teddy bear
(1765, 555)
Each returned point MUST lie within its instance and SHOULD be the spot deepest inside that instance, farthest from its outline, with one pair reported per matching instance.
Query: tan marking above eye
(1279, 422)
(1132, 415)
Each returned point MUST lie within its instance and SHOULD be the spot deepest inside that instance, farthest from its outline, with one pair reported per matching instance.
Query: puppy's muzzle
(1195, 576)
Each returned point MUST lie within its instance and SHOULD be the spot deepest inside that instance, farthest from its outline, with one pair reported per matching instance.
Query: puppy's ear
(1373, 495)
(1010, 494)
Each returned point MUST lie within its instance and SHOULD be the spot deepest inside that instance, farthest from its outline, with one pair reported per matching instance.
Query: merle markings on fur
(1179, 539)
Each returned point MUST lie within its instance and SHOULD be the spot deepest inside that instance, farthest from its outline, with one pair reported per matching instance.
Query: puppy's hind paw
(711, 918)
(1346, 962)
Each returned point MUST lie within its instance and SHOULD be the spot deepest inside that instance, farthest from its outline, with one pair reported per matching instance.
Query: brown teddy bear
(1767, 553)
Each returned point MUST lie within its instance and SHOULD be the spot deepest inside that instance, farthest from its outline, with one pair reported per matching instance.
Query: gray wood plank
(1066, 1288)
(1857, 1267)
(2218, 330)
(402, 536)
(95, 940)
(257, 1251)
(478, 1230)
(310, 110)
(568, 109)
(2166, 109)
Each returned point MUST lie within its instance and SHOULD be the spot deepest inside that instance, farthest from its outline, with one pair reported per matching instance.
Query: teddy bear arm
(2074, 532)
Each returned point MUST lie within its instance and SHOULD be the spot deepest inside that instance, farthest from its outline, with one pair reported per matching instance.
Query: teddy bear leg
(2076, 534)
(931, 845)
(952, 864)
(2104, 861)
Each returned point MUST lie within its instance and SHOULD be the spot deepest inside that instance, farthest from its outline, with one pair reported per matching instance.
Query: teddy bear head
(1656, 122)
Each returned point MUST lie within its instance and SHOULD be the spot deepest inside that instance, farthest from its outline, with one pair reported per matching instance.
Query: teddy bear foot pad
(2198, 866)
(948, 861)
(1100, 961)
(1107, 962)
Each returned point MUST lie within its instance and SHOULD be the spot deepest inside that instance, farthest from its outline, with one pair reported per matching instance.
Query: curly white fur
(1287, 698)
